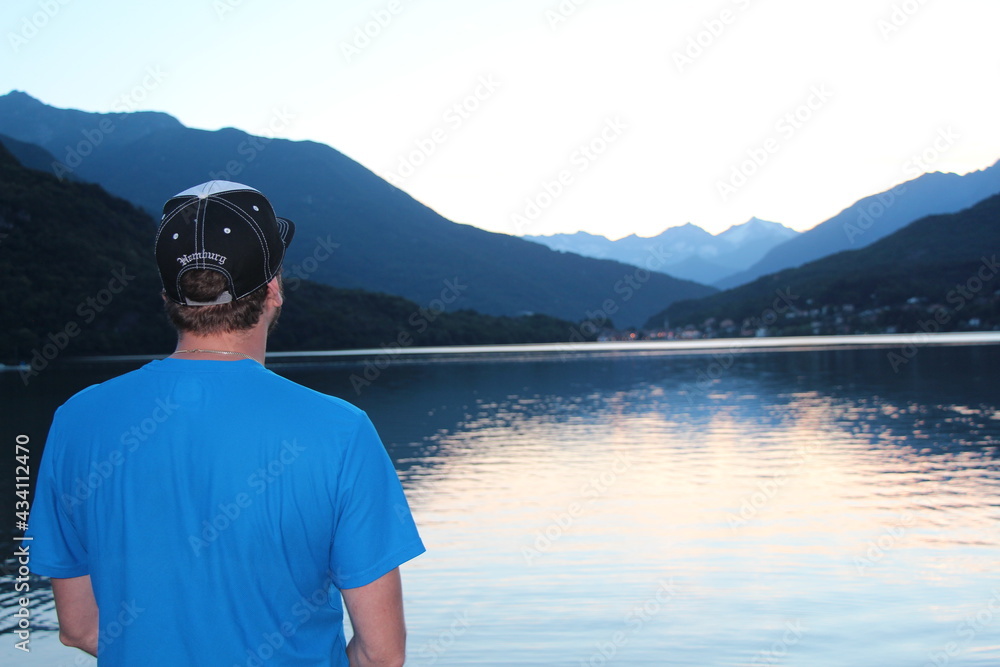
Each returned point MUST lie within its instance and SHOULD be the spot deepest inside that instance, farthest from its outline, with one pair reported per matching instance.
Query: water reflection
(819, 493)
(812, 508)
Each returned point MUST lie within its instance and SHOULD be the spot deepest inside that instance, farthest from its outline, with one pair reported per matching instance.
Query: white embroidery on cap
(187, 259)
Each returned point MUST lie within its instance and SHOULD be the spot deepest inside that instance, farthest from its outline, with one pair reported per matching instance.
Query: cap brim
(286, 229)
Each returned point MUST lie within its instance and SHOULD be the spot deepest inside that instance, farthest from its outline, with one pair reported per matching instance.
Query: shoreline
(691, 347)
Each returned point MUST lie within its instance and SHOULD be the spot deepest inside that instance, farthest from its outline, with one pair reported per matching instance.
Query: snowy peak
(692, 253)
(755, 230)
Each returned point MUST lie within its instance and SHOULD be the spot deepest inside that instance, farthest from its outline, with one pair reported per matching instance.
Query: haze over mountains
(874, 218)
(691, 252)
(757, 248)
(77, 276)
(354, 230)
(940, 273)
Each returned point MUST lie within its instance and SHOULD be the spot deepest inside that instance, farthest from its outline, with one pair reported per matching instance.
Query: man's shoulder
(96, 391)
(294, 401)
(276, 386)
(297, 394)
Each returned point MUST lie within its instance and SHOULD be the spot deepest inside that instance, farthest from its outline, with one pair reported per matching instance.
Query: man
(204, 511)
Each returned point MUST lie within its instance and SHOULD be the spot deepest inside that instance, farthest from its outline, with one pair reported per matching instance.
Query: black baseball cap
(225, 227)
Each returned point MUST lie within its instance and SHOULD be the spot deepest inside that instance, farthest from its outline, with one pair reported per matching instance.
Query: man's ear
(274, 293)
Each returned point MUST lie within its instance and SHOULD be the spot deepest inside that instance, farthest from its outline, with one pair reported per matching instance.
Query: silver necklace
(196, 350)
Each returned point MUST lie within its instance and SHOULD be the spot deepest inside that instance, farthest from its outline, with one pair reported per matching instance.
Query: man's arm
(377, 618)
(77, 612)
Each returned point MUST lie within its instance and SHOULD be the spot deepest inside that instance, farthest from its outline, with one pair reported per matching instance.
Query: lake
(807, 507)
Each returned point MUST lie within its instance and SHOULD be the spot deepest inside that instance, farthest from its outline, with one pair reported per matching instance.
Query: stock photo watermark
(87, 310)
(786, 127)
(133, 438)
(872, 211)
(900, 15)
(224, 7)
(720, 364)
(33, 24)
(580, 160)
(127, 614)
(231, 510)
(769, 489)
(250, 148)
(783, 304)
(591, 491)
(433, 649)
(958, 298)
(419, 321)
(924, 161)
(21, 559)
(94, 137)
(563, 12)
(365, 34)
(454, 117)
(889, 539)
(709, 32)
(777, 653)
(626, 288)
(301, 612)
(22, 584)
(294, 274)
(913, 167)
(637, 618)
(966, 632)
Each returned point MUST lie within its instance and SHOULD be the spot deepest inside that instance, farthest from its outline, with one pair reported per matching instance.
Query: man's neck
(230, 347)
(250, 343)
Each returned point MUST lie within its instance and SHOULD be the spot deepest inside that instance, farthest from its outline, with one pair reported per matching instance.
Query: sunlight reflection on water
(807, 508)
(793, 522)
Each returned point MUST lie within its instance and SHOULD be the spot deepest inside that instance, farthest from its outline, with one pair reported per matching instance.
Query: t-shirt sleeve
(56, 547)
(375, 531)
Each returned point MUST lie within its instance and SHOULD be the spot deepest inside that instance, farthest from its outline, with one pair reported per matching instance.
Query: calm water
(795, 508)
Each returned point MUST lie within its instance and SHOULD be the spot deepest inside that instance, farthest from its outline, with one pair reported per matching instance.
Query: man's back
(215, 505)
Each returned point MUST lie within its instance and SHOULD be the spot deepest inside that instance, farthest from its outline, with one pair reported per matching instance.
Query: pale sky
(539, 117)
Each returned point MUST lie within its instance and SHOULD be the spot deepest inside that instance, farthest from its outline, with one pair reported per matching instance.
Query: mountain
(691, 252)
(580, 243)
(354, 230)
(939, 272)
(875, 217)
(754, 239)
(29, 155)
(78, 275)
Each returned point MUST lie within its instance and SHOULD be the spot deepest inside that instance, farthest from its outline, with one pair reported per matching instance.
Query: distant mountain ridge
(29, 155)
(692, 253)
(875, 217)
(940, 272)
(78, 278)
(354, 230)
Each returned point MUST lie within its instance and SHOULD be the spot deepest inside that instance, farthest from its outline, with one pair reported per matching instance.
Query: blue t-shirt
(218, 508)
